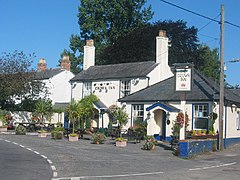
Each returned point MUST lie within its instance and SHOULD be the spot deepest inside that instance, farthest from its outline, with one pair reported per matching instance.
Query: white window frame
(87, 88)
(238, 120)
(126, 87)
(202, 111)
(138, 111)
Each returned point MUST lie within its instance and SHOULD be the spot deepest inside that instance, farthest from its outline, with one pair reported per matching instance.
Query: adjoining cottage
(57, 83)
(111, 82)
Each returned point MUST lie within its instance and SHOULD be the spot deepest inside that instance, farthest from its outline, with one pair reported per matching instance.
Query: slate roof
(116, 71)
(236, 91)
(203, 89)
(48, 73)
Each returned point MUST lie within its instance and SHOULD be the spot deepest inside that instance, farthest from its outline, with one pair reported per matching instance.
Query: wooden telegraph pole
(221, 98)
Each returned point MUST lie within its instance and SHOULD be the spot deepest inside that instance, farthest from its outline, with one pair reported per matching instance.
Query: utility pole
(221, 98)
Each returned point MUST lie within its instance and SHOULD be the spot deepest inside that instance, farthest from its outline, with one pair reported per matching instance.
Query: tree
(210, 64)
(140, 44)
(119, 114)
(43, 108)
(74, 112)
(105, 21)
(17, 80)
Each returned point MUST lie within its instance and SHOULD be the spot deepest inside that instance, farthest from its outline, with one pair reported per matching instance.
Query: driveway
(83, 160)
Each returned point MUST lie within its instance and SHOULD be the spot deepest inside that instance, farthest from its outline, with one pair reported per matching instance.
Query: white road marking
(7, 141)
(15, 143)
(211, 167)
(36, 152)
(44, 156)
(54, 174)
(22, 146)
(53, 168)
(109, 176)
(29, 149)
(49, 161)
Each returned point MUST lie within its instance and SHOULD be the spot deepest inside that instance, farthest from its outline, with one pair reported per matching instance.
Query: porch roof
(100, 105)
(167, 107)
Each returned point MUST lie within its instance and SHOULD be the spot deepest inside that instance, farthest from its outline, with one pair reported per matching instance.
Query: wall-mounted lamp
(234, 107)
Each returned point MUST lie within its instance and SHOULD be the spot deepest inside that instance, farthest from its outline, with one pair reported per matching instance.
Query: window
(126, 87)
(138, 112)
(87, 88)
(200, 116)
(238, 121)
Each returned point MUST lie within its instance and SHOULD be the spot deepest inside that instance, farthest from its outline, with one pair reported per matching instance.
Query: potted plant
(42, 133)
(74, 112)
(121, 142)
(21, 130)
(98, 138)
(150, 143)
(3, 122)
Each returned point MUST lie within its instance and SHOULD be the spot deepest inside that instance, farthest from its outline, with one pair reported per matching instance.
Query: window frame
(138, 110)
(238, 121)
(202, 116)
(87, 88)
(125, 87)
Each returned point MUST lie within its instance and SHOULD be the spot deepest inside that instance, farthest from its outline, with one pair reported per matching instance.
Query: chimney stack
(65, 63)
(89, 54)
(162, 54)
(42, 66)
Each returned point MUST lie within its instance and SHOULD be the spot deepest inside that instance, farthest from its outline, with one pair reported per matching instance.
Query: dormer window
(87, 88)
(126, 87)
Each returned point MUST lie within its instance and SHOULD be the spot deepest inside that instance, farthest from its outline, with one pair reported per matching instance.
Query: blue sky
(44, 27)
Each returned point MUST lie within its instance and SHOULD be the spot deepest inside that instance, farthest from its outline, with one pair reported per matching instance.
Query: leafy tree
(119, 114)
(17, 84)
(105, 21)
(210, 64)
(43, 108)
(87, 107)
(140, 44)
(74, 113)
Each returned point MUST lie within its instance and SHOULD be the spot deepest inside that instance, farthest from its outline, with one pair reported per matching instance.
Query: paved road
(89, 161)
(17, 163)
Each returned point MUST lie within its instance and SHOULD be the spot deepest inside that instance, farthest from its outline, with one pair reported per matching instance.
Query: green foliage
(213, 116)
(105, 21)
(74, 112)
(150, 143)
(119, 115)
(17, 81)
(42, 108)
(21, 130)
(58, 129)
(98, 138)
(57, 134)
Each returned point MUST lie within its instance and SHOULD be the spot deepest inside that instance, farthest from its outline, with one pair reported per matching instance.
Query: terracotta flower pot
(42, 134)
(3, 129)
(73, 138)
(121, 143)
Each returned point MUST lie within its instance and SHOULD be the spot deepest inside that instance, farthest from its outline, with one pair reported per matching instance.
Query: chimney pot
(65, 63)
(162, 33)
(89, 42)
(42, 66)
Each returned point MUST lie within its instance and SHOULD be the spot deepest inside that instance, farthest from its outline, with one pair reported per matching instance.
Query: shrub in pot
(98, 138)
(57, 133)
(42, 133)
(21, 130)
(121, 142)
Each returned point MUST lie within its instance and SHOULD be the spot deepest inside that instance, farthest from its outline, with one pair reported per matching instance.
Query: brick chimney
(89, 54)
(65, 63)
(162, 55)
(41, 66)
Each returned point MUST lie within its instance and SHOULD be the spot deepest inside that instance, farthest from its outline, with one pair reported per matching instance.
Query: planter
(3, 129)
(42, 134)
(57, 134)
(121, 143)
(73, 138)
(207, 136)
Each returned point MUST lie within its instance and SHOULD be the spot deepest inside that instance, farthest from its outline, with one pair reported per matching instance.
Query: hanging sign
(183, 78)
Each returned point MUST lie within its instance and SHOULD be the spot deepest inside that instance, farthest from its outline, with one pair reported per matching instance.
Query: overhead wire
(198, 14)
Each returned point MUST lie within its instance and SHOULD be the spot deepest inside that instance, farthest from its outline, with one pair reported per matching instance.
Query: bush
(98, 138)
(58, 129)
(57, 134)
(150, 143)
(21, 130)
